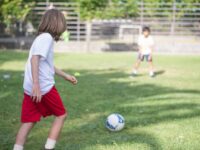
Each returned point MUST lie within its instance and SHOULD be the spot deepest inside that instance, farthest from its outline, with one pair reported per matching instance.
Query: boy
(146, 44)
(41, 99)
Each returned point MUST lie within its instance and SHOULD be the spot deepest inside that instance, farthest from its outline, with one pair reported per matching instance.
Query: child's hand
(71, 79)
(36, 94)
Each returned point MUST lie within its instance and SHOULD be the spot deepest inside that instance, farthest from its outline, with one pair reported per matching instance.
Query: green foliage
(106, 9)
(90, 9)
(14, 10)
(17, 10)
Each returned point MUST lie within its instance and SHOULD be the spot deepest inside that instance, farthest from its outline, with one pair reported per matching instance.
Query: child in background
(146, 44)
(41, 99)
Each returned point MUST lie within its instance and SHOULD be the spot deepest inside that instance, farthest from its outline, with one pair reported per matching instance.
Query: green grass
(162, 113)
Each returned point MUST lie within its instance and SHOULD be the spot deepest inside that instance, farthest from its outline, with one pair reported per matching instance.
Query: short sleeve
(42, 45)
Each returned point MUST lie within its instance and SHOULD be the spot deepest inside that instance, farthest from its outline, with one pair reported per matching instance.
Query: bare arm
(60, 72)
(66, 76)
(36, 94)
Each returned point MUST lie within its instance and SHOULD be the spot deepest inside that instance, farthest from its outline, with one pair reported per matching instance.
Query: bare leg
(56, 127)
(136, 66)
(23, 133)
(151, 68)
(55, 131)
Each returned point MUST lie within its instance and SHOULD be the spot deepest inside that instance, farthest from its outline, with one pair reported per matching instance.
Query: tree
(90, 9)
(13, 11)
(105, 9)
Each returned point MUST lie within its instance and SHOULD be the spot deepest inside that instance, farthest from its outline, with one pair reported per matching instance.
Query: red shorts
(51, 104)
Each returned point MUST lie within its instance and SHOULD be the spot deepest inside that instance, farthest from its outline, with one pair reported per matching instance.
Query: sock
(50, 144)
(135, 72)
(18, 147)
(151, 73)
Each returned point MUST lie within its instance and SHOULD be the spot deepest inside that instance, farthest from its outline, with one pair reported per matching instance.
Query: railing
(163, 18)
(74, 25)
(170, 18)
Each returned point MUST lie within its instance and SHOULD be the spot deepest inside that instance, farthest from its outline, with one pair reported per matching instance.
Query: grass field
(162, 113)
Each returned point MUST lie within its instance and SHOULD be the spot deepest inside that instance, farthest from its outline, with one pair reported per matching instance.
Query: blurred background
(105, 25)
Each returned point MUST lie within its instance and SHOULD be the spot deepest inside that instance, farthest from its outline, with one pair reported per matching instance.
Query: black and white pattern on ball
(121, 119)
(115, 122)
(109, 126)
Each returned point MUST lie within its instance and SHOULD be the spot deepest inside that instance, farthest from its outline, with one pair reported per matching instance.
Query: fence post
(173, 18)
(78, 24)
(47, 3)
(142, 13)
(88, 34)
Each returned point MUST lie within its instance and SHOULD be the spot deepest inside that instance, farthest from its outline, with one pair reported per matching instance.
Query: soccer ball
(115, 122)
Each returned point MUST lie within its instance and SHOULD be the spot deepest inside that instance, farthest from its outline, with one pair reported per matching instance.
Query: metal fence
(163, 18)
(176, 19)
(170, 18)
(70, 10)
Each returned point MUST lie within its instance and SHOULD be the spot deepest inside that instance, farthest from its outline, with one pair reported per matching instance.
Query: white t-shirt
(146, 44)
(43, 46)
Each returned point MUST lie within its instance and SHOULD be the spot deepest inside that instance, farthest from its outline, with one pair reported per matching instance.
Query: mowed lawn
(162, 113)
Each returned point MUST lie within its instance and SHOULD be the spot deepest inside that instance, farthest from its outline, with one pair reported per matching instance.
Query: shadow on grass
(80, 141)
(7, 56)
(98, 94)
(159, 72)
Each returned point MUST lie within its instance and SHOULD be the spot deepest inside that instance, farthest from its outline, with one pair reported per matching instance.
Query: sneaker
(134, 73)
(151, 74)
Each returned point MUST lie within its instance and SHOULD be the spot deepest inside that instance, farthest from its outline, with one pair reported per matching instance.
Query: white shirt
(43, 46)
(146, 44)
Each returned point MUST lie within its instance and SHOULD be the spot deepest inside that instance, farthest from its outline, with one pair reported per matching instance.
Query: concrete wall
(163, 44)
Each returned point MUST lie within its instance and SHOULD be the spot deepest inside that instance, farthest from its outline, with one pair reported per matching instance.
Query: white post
(173, 18)
(78, 24)
(47, 3)
(142, 13)
(88, 34)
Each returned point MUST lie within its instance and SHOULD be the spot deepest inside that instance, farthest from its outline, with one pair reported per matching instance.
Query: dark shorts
(51, 104)
(147, 57)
